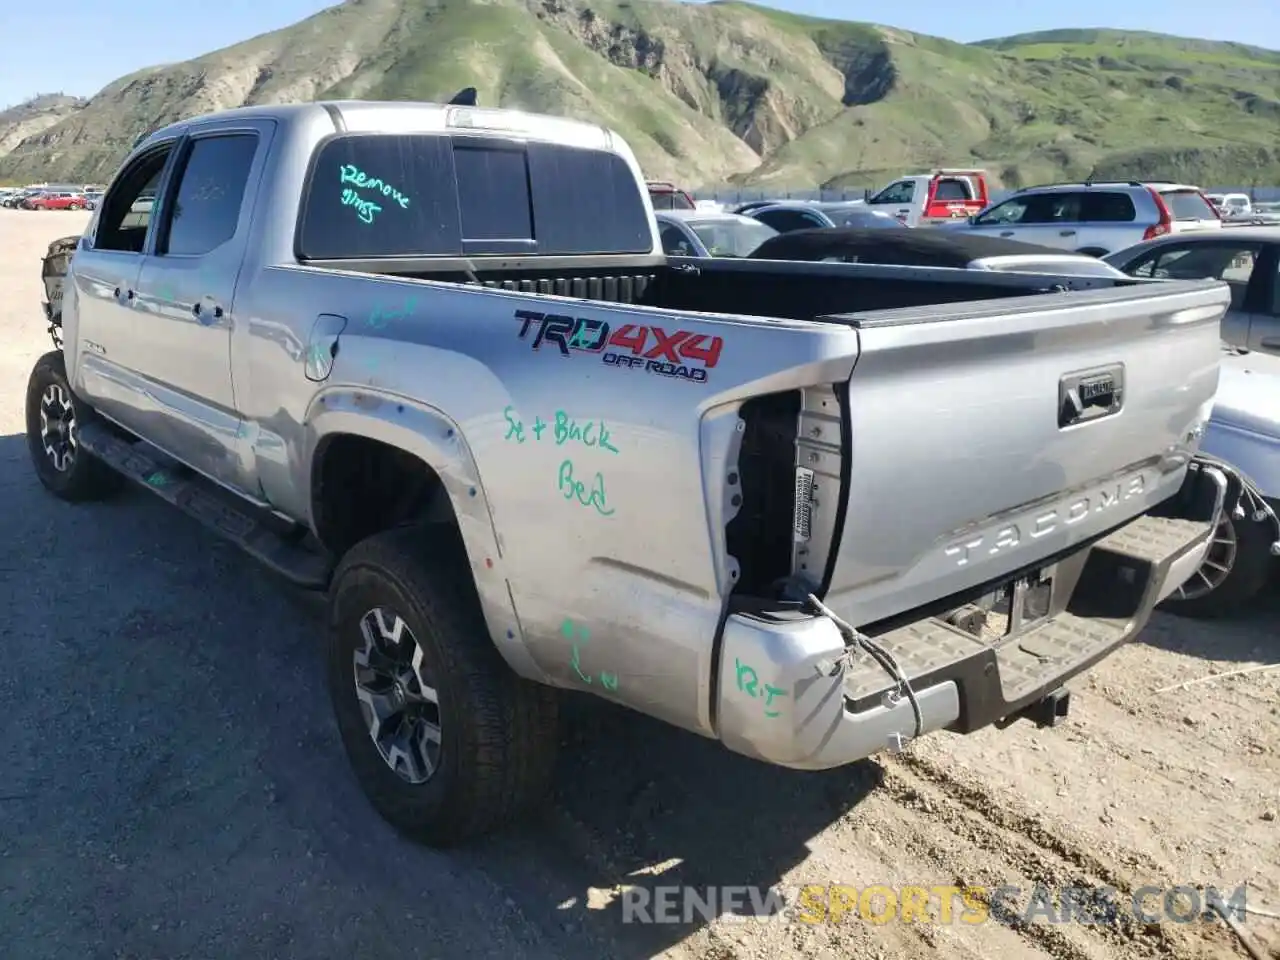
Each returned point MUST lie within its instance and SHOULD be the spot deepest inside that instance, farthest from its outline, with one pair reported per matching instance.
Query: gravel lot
(173, 785)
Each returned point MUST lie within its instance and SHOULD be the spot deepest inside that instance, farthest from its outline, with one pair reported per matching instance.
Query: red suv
(56, 201)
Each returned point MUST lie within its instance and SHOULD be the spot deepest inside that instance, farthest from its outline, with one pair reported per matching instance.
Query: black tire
(497, 733)
(1249, 570)
(63, 469)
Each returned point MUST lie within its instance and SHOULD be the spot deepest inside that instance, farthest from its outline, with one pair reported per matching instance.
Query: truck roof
(400, 116)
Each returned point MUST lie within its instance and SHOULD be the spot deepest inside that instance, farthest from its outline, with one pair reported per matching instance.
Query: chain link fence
(730, 195)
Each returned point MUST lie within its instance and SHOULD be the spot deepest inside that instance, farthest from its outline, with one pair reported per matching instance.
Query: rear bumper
(776, 703)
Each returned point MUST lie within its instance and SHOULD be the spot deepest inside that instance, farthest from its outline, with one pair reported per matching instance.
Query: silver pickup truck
(429, 358)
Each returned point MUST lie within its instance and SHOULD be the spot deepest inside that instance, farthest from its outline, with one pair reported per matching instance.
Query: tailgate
(984, 442)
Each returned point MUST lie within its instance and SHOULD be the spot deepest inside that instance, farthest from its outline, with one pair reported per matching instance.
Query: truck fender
(430, 435)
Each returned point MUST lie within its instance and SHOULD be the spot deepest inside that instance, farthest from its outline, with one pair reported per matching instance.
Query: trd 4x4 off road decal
(679, 353)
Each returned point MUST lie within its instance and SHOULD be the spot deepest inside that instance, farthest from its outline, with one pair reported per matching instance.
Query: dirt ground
(172, 785)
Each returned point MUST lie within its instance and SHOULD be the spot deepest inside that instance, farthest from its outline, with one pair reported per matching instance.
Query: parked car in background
(929, 248)
(708, 233)
(56, 200)
(667, 196)
(1245, 427)
(1246, 259)
(17, 199)
(1266, 213)
(91, 199)
(928, 198)
(801, 215)
(1097, 218)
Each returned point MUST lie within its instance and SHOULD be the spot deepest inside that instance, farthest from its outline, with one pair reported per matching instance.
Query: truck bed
(789, 291)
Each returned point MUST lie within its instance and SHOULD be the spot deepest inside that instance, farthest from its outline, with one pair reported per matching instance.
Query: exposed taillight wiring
(854, 639)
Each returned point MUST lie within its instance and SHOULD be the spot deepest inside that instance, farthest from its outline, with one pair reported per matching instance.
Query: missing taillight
(761, 535)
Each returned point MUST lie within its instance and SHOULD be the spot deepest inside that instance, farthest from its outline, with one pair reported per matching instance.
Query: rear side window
(370, 196)
(206, 209)
(1188, 205)
(1103, 207)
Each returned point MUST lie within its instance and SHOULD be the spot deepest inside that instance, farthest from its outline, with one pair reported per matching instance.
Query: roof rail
(957, 170)
(1083, 183)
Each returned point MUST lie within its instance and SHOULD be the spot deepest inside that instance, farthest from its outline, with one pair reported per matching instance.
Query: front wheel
(74, 206)
(446, 741)
(53, 417)
(1235, 570)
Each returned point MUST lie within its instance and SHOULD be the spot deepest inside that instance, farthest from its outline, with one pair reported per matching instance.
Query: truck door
(185, 312)
(898, 199)
(102, 358)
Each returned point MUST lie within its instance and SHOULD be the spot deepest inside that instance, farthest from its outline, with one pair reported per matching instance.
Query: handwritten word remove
(564, 429)
(608, 680)
(354, 175)
(749, 680)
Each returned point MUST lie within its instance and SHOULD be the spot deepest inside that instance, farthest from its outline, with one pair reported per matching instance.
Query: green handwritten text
(588, 434)
(569, 629)
(350, 173)
(573, 489)
(749, 683)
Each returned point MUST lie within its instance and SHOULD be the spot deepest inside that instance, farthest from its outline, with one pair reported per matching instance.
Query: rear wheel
(445, 740)
(53, 418)
(1237, 567)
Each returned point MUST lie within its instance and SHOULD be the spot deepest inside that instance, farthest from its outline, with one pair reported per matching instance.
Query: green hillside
(737, 92)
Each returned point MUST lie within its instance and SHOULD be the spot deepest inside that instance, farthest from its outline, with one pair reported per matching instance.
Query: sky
(100, 40)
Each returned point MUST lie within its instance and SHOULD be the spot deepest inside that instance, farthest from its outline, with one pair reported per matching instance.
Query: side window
(1011, 211)
(1107, 208)
(206, 209)
(675, 243)
(900, 192)
(1145, 266)
(785, 221)
(126, 207)
(1053, 208)
(813, 221)
(1275, 290)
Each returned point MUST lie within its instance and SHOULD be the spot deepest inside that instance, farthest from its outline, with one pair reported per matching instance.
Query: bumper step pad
(1108, 598)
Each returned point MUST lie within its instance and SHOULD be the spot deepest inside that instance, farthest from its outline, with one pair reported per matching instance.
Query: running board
(256, 532)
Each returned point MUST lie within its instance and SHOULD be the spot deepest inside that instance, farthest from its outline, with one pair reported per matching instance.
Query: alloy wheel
(58, 427)
(398, 702)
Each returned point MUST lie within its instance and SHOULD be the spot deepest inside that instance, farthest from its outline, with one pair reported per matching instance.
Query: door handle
(1006, 233)
(1066, 233)
(199, 311)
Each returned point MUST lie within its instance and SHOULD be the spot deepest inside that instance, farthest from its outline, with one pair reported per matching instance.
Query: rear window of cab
(370, 196)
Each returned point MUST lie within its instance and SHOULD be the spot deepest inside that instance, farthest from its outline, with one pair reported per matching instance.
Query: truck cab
(937, 197)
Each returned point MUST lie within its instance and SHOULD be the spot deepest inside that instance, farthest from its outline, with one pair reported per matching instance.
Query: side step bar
(257, 533)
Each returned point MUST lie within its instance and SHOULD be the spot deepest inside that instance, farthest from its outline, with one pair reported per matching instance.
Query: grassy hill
(731, 91)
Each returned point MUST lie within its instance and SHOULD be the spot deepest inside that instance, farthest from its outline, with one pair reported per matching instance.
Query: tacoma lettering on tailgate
(1008, 535)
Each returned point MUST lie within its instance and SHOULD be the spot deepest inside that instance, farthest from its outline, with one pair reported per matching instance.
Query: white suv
(1097, 218)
